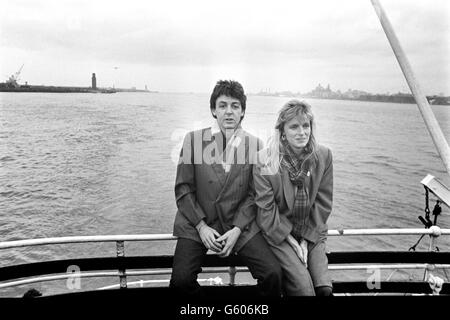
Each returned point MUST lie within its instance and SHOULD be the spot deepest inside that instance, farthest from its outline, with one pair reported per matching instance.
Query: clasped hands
(221, 244)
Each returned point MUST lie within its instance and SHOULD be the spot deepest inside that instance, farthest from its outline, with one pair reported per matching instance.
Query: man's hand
(208, 236)
(300, 249)
(229, 239)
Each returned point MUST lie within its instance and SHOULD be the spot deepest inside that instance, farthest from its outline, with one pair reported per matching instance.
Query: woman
(294, 193)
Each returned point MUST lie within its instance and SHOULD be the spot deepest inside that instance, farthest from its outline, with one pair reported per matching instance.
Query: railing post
(430, 248)
(232, 272)
(120, 245)
(433, 238)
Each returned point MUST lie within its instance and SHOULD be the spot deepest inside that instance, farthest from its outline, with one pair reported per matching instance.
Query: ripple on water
(7, 159)
(96, 166)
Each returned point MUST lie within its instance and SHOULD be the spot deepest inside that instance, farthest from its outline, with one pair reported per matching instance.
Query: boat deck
(124, 267)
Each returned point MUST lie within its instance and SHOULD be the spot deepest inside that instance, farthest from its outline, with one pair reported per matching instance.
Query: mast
(427, 113)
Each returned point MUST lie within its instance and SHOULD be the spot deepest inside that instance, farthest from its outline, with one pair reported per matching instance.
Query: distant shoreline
(63, 89)
(396, 98)
(320, 92)
(407, 99)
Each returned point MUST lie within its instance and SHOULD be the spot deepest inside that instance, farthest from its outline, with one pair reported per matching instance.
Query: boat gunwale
(16, 275)
(434, 231)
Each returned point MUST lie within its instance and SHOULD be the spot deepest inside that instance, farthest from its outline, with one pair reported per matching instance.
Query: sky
(186, 46)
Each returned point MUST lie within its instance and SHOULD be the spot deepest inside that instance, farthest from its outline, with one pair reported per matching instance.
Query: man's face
(228, 112)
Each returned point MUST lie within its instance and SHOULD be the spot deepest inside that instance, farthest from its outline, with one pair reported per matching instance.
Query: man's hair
(229, 88)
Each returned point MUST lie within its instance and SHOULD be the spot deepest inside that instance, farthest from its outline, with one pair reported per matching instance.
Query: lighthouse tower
(94, 82)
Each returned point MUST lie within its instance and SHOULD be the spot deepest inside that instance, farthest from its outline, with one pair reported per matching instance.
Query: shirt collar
(233, 142)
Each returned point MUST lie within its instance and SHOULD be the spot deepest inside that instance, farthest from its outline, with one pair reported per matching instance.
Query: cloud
(211, 35)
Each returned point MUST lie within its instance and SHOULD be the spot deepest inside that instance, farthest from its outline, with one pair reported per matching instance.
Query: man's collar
(234, 142)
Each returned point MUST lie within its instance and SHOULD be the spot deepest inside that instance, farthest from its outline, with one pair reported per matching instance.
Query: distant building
(321, 92)
(94, 82)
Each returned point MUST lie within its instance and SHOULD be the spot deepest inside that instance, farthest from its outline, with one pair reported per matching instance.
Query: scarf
(296, 165)
(298, 168)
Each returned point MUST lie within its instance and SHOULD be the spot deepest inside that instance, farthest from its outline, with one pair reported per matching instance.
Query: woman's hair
(290, 110)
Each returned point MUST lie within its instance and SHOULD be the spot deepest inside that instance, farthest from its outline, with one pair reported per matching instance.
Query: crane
(12, 80)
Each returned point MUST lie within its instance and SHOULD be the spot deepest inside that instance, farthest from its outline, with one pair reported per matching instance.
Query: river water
(98, 164)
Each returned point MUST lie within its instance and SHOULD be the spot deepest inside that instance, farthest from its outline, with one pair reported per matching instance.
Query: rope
(436, 211)
(426, 222)
(413, 248)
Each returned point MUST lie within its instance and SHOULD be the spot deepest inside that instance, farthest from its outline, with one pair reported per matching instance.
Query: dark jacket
(205, 191)
(275, 198)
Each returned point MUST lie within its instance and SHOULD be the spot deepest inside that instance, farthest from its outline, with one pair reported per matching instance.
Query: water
(93, 164)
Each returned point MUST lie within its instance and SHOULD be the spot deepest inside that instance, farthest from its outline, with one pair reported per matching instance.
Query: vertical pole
(430, 249)
(422, 102)
(232, 273)
(120, 245)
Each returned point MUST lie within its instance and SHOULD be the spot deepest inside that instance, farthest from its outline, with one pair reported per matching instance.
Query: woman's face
(297, 132)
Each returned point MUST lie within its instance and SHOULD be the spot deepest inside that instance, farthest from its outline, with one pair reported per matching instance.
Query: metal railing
(434, 232)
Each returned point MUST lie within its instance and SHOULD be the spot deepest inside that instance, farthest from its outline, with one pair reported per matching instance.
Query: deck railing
(434, 232)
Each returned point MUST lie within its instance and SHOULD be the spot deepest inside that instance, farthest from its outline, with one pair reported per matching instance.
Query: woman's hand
(301, 249)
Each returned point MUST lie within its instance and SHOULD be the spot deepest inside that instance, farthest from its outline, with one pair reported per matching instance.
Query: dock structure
(13, 86)
(10, 86)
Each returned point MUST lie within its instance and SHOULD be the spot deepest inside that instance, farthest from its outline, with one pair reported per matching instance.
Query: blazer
(204, 190)
(275, 198)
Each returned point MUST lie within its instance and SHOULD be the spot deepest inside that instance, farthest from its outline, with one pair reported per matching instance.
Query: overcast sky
(186, 46)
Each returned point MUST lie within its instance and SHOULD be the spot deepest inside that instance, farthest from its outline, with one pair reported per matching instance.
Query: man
(215, 198)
